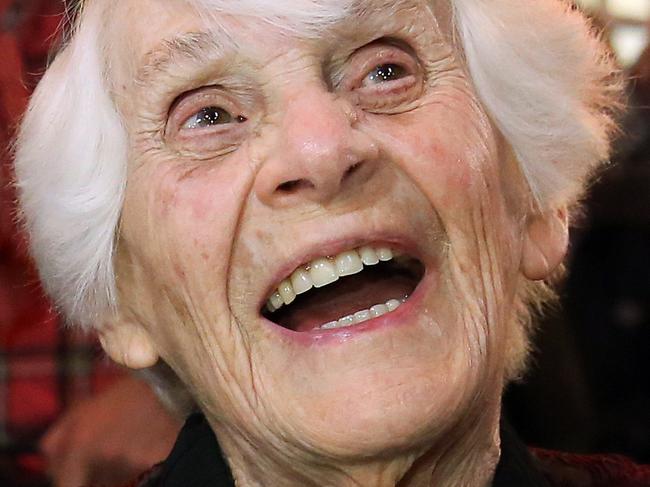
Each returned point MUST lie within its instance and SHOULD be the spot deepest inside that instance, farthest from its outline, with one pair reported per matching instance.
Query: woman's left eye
(210, 116)
(384, 77)
(384, 73)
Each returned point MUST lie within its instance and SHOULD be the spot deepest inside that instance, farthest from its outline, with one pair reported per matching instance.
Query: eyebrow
(188, 46)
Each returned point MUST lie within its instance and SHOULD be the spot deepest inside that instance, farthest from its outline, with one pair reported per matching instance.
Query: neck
(466, 458)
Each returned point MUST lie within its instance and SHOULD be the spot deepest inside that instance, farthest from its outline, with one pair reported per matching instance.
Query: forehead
(138, 29)
(300, 16)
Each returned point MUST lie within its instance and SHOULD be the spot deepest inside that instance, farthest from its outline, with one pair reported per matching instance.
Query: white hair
(70, 162)
(543, 76)
(553, 93)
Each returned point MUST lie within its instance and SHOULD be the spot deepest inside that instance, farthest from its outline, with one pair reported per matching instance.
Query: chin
(402, 404)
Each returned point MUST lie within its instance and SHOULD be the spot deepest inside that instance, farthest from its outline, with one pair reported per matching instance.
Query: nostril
(294, 185)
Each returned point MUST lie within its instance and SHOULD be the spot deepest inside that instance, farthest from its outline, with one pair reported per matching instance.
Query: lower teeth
(364, 315)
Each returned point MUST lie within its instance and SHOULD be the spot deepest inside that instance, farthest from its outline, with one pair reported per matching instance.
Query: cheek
(200, 197)
(446, 148)
(450, 149)
(187, 215)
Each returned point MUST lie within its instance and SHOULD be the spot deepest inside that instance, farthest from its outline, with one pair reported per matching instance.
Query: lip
(402, 316)
(401, 243)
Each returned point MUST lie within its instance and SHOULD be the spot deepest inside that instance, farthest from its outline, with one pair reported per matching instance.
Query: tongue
(345, 297)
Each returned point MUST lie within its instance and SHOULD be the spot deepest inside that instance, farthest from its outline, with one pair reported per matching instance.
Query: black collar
(516, 466)
(197, 461)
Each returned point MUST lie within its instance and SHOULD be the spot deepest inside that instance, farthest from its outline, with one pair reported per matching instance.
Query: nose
(316, 153)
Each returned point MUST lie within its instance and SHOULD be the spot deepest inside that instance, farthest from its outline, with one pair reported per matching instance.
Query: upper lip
(333, 246)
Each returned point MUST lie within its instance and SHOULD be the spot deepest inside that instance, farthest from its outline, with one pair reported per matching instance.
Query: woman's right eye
(210, 116)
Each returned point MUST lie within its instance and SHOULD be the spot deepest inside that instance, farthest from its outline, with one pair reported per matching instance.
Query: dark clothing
(516, 466)
(197, 461)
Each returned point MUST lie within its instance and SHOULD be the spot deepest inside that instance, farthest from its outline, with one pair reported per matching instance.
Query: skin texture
(210, 226)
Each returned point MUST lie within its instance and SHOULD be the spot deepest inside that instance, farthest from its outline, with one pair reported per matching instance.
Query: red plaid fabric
(573, 470)
(43, 367)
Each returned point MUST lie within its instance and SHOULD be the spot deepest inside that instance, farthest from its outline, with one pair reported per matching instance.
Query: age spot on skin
(179, 271)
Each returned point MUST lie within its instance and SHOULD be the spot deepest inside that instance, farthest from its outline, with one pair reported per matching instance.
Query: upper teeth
(326, 270)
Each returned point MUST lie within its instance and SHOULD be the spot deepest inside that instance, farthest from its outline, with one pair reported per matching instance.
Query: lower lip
(402, 316)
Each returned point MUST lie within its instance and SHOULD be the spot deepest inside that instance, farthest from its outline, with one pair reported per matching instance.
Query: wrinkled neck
(467, 457)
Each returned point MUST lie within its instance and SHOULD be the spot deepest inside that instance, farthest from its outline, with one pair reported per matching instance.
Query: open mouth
(344, 290)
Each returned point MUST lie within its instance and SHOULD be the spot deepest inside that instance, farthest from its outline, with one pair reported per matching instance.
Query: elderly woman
(328, 218)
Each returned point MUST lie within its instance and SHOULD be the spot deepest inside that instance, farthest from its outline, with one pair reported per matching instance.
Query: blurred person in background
(607, 293)
(48, 371)
(588, 389)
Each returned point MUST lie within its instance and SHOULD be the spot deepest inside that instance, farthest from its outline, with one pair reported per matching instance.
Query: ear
(128, 343)
(545, 243)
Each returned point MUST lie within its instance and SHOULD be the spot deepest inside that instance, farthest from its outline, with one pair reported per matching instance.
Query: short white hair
(539, 70)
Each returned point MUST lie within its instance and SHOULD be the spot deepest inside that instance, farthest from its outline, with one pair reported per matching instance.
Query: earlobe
(128, 344)
(545, 243)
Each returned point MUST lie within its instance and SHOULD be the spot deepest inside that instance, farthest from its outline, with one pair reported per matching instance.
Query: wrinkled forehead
(134, 31)
(305, 17)
(299, 16)
(136, 28)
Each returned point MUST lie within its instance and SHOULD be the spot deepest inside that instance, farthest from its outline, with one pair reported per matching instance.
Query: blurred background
(626, 22)
(588, 389)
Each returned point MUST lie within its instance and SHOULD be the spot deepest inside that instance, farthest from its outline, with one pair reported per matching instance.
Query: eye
(212, 119)
(384, 77)
(210, 116)
(384, 73)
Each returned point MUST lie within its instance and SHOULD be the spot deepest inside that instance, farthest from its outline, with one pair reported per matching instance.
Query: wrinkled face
(319, 233)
